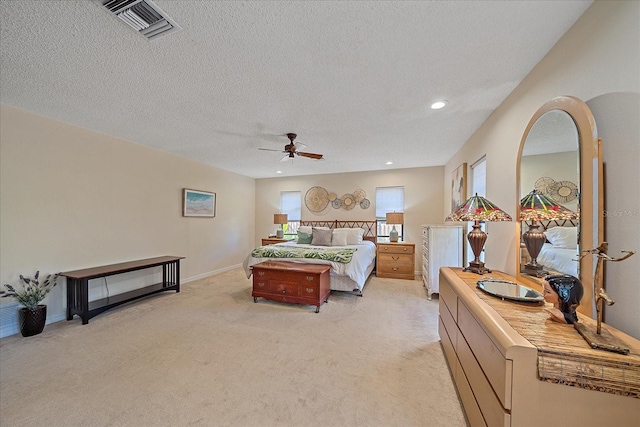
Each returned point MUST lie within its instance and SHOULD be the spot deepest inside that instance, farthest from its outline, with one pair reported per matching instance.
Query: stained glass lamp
(535, 207)
(477, 209)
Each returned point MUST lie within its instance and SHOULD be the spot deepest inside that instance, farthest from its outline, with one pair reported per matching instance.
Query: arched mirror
(559, 169)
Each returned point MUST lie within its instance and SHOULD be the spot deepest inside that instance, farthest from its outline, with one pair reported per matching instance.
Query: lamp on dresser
(535, 207)
(477, 209)
(394, 218)
(280, 219)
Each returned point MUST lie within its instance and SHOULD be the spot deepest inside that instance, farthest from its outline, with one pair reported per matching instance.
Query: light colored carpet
(210, 356)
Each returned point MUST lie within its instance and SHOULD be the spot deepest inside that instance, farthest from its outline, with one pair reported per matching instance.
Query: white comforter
(561, 260)
(357, 270)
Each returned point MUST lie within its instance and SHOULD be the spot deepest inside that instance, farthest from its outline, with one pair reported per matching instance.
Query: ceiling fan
(293, 149)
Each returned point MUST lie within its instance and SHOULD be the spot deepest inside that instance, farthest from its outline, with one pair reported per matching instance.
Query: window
(388, 199)
(479, 186)
(291, 204)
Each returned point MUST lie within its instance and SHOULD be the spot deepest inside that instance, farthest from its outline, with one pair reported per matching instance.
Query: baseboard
(9, 319)
(9, 311)
(209, 274)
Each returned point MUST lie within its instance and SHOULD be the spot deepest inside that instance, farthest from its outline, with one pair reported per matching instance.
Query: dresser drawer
(395, 267)
(495, 367)
(493, 412)
(396, 249)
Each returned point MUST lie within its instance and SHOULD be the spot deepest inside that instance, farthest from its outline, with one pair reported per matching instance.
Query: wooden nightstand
(396, 260)
(272, 241)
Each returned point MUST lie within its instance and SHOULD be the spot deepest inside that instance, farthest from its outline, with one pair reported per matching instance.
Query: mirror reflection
(549, 187)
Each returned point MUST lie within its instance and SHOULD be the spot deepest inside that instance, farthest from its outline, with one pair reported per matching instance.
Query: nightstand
(272, 241)
(396, 260)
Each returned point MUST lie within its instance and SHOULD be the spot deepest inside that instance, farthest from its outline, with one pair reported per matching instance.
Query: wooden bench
(78, 285)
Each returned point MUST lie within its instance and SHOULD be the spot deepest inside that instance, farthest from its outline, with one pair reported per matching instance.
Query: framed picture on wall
(458, 186)
(198, 203)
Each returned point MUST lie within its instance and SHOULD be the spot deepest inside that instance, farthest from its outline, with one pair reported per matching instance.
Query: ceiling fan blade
(310, 155)
(286, 158)
(300, 146)
(270, 149)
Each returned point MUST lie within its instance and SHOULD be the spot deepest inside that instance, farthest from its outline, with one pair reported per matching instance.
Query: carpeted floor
(210, 356)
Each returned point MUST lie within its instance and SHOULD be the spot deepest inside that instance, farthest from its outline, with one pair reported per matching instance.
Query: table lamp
(280, 219)
(394, 218)
(534, 207)
(477, 209)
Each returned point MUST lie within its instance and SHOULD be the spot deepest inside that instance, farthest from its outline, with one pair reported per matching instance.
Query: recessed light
(438, 105)
(278, 171)
(389, 163)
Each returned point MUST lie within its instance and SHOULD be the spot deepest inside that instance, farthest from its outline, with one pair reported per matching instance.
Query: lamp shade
(395, 218)
(477, 208)
(280, 218)
(535, 206)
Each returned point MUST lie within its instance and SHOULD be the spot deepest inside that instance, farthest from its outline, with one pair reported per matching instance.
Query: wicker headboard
(370, 227)
(544, 225)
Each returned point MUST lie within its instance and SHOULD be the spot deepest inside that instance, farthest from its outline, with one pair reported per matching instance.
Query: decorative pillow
(354, 235)
(304, 229)
(563, 237)
(320, 237)
(308, 229)
(304, 238)
(338, 238)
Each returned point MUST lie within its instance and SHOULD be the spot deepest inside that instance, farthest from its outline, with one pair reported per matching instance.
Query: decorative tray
(508, 290)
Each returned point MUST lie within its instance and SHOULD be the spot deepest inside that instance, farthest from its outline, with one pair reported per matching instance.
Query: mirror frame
(591, 195)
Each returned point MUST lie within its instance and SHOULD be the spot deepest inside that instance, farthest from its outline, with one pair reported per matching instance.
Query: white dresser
(441, 247)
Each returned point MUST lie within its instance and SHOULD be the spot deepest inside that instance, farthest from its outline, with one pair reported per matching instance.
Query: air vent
(141, 15)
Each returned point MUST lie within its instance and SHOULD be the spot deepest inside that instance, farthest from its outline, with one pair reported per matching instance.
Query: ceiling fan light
(438, 105)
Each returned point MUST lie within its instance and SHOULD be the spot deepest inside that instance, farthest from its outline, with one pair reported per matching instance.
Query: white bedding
(559, 259)
(358, 270)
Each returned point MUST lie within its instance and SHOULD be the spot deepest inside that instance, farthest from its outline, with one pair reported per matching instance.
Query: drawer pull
(395, 258)
(261, 284)
(394, 268)
(309, 290)
(284, 291)
(260, 273)
(310, 278)
(404, 249)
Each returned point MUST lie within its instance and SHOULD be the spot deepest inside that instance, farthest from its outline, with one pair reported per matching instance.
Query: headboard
(370, 227)
(544, 225)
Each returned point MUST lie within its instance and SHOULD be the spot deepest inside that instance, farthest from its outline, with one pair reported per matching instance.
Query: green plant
(31, 292)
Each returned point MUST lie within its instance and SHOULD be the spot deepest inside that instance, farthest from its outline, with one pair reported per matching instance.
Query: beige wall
(598, 61)
(423, 196)
(73, 198)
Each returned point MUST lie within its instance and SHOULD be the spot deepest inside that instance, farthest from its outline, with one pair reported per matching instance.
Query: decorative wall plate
(336, 203)
(316, 199)
(563, 191)
(359, 195)
(544, 184)
(365, 203)
(348, 202)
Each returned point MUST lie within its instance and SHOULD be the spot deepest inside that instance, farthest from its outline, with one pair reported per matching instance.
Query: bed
(350, 276)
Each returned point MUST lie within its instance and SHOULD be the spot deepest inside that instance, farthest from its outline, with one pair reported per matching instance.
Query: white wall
(423, 198)
(598, 61)
(72, 198)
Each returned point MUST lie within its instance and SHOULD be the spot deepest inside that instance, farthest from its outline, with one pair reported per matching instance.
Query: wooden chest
(291, 282)
(396, 260)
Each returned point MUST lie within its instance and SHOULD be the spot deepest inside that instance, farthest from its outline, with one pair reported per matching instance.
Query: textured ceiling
(354, 79)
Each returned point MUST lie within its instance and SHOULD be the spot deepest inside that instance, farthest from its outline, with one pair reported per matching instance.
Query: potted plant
(30, 293)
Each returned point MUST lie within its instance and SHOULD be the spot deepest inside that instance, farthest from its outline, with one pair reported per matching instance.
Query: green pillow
(304, 238)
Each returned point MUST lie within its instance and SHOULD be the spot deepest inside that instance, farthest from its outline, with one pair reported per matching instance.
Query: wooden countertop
(564, 357)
